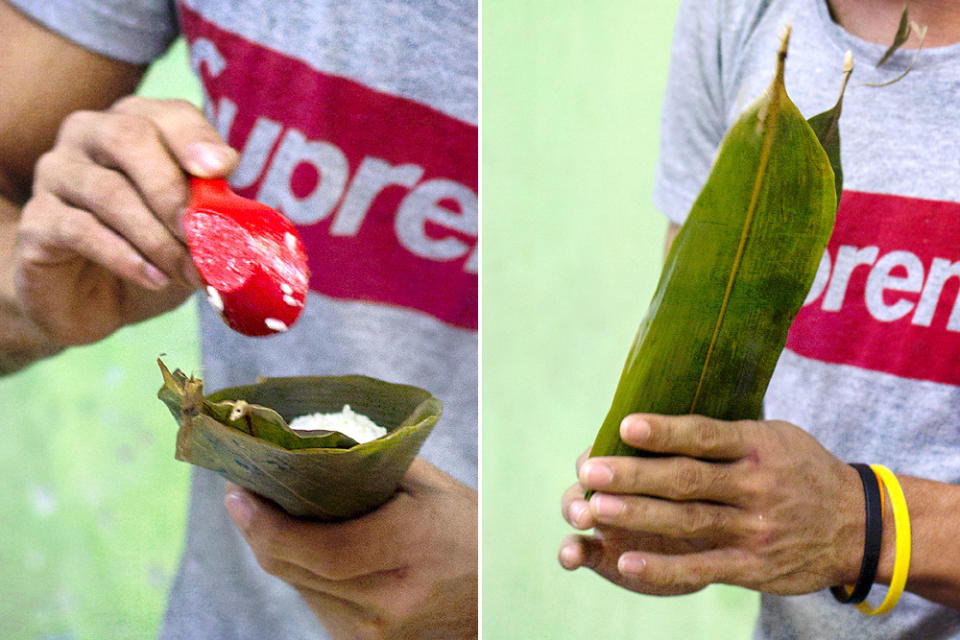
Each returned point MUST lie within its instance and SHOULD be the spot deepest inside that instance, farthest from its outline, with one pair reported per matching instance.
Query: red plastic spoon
(249, 256)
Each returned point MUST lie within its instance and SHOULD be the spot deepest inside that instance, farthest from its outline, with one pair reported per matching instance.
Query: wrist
(888, 550)
(857, 591)
(851, 545)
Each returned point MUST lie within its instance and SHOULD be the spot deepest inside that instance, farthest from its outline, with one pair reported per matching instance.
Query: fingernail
(158, 278)
(568, 557)
(596, 474)
(634, 429)
(239, 509)
(607, 506)
(206, 160)
(631, 563)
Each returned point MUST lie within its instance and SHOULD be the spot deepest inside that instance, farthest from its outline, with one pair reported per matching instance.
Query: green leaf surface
(826, 126)
(243, 434)
(255, 420)
(903, 34)
(736, 274)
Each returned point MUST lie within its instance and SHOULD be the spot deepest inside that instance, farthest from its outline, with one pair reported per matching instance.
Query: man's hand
(407, 570)
(100, 243)
(758, 504)
(602, 550)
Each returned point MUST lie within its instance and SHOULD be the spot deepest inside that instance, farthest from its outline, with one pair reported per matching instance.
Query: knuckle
(179, 104)
(632, 512)
(724, 483)
(692, 521)
(717, 520)
(35, 210)
(709, 434)
(161, 249)
(106, 191)
(331, 570)
(167, 191)
(76, 122)
(757, 488)
(662, 575)
(59, 230)
(333, 567)
(697, 520)
(737, 484)
(48, 165)
(744, 431)
(30, 231)
(130, 104)
(629, 477)
(123, 131)
(688, 479)
(696, 576)
(762, 535)
(180, 117)
(683, 577)
(635, 514)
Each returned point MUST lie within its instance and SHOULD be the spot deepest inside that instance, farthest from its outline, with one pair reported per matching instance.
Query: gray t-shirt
(870, 367)
(359, 121)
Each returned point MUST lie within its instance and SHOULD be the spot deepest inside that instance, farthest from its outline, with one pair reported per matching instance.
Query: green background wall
(571, 252)
(92, 503)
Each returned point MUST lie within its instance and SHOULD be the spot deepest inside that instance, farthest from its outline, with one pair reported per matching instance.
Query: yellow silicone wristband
(883, 501)
(901, 562)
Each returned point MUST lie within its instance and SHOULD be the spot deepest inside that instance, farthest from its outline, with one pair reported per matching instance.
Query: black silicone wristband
(873, 537)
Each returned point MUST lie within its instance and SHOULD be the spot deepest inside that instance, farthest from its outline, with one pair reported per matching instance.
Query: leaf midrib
(770, 122)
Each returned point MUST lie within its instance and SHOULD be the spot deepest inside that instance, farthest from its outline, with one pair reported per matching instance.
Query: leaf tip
(785, 39)
(770, 102)
(169, 380)
(782, 52)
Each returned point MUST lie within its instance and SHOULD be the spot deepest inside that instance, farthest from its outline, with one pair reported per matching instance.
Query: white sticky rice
(355, 425)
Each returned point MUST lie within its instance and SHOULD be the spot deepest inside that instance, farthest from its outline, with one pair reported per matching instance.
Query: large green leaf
(735, 276)
(242, 433)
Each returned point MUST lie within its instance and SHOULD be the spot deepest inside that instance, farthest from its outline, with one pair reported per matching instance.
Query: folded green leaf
(736, 275)
(826, 126)
(260, 422)
(243, 434)
(906, 27)
(899, 39)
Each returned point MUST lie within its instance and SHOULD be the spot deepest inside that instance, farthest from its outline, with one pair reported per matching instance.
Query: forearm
(935, 554)
(21, 342)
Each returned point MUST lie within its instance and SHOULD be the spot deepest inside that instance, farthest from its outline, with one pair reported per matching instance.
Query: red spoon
(249, 256)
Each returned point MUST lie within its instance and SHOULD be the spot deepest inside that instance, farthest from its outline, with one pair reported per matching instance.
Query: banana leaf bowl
(242, 433)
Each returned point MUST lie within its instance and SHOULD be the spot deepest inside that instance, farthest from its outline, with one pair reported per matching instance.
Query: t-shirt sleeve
(135, 31)
(692, 122)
